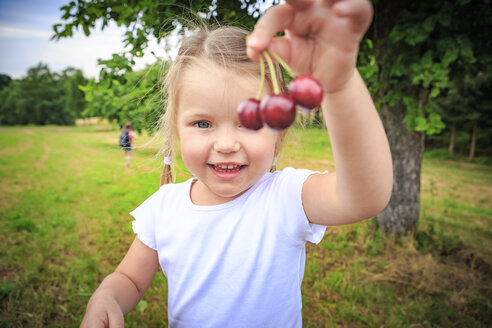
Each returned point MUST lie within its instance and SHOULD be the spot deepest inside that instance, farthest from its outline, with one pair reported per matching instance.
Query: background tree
(144, 19)
(136, 100)
(468, 117)
(4, 80)
(466, 104)
(10, 97)
(43, 97)
(407, 59)
(411, 53)
(73, 97)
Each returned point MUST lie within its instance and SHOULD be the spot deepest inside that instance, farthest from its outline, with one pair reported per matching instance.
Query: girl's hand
(103, 312)
(321, 37)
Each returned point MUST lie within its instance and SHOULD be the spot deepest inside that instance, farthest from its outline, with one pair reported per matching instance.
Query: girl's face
(226, 158)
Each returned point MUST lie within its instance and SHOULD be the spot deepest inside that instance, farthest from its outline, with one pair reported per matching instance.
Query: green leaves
(465, 48)
(426, 45)
(43, 97)
(413, 33)
(146, 18)
(136, 99)
(422, 118)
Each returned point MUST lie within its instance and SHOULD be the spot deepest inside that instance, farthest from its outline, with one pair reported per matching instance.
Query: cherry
(278, 111)
(249, 114)
(306, 91)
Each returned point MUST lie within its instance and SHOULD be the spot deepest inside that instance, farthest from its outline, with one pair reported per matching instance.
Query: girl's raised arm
(322, 39)
(120, 292)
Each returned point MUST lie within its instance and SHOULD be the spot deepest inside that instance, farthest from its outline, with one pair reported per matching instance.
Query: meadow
(66, 195)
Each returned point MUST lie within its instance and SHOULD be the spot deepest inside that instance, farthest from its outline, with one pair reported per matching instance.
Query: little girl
(231, 240)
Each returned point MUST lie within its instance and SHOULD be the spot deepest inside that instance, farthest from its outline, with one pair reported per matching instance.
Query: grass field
(65, 199)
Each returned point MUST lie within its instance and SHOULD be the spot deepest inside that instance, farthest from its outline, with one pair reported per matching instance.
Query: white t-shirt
(238, 264)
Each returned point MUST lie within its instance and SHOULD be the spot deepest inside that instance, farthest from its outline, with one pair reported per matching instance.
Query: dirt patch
(460, 276)
(21, 147)
(469, 193)
(91, 121)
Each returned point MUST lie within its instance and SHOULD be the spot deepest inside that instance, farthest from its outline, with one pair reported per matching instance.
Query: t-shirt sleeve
(145, 219)
(296, 224)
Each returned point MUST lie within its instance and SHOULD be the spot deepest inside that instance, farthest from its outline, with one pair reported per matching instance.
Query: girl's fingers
(282, 47)
(116, 319)
(300, 4)
(274, 20)
(329, 3)
(360, 12)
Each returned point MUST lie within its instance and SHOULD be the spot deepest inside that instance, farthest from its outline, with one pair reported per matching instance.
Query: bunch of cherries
(278, 111)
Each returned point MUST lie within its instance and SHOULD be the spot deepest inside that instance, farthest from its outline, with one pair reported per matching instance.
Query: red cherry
(249, 114)
(278, 111)
(306, 91)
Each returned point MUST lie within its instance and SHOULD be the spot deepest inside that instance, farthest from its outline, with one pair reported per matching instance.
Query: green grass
(65, 225)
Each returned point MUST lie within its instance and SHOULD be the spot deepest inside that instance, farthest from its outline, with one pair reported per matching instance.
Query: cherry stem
(283, 63)
(262, 77)
(276, 89)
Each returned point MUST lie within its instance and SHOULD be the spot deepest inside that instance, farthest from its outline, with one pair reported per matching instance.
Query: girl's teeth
(228, 167)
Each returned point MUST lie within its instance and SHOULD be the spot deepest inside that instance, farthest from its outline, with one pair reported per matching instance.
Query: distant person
(126, 138)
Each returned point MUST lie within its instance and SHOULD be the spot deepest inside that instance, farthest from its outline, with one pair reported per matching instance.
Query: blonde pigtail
(278, 148)
(167, 174)
(274, 165)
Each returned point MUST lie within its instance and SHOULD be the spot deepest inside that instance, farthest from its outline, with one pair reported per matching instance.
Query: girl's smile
(227, 171)
(226, 158)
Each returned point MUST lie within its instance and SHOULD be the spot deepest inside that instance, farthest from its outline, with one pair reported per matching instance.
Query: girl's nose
(226, 142)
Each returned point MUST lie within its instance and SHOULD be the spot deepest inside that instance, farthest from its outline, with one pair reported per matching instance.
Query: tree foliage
(136, 100)
(43, 97)
(121, 94)
(415, 55)
(434, 57)
(466, 105)
(410, 57)
(4, 81)
(144, 19)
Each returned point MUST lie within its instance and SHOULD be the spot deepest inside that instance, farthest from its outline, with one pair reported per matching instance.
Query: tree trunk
(402, 212)
(473, 143)
(451, 139)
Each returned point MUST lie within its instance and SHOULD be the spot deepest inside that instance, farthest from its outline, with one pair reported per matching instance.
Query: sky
(26, 27)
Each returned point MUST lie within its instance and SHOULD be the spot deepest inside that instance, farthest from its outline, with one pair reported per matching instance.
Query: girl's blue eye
(202, 124)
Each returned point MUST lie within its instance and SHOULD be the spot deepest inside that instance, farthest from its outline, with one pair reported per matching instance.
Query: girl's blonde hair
(226, 46)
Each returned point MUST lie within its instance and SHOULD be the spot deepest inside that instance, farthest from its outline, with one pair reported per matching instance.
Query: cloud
(19, 32)
(26, 30)
(25, 47)
(83, 52)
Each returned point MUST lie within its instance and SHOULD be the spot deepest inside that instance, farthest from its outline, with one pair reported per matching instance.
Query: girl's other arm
(120, 292)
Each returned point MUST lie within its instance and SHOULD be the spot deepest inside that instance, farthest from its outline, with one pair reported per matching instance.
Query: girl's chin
(228, 194)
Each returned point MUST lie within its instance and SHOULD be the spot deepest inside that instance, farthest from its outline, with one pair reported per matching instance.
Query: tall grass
(65, 199)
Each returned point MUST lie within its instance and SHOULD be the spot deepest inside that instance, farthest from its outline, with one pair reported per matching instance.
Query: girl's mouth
(227, 167)
(226, 170)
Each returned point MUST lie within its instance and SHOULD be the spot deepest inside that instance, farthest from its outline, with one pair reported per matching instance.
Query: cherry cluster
(278, 110)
